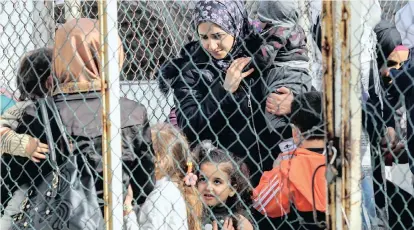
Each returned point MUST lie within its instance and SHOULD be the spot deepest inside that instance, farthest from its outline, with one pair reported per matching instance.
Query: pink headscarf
(401, 48)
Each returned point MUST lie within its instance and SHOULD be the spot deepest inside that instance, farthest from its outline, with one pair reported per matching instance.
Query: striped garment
(10, 141)
(290, 182)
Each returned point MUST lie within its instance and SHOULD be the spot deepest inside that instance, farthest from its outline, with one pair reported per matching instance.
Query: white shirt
(164, 209)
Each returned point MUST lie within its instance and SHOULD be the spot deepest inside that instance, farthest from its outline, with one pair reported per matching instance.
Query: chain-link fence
(291, 114)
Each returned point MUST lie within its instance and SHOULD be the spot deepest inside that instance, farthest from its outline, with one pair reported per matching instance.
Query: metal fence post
(111, 138)
(343, 116)
(351, 118)
(329, 112)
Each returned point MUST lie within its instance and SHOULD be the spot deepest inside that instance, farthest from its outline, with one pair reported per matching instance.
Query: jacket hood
(190, 54)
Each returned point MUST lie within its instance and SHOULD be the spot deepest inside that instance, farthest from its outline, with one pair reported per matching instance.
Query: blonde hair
(171, 145)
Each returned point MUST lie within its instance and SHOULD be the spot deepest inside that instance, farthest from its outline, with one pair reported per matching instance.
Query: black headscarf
(388, 38)
(232, 17)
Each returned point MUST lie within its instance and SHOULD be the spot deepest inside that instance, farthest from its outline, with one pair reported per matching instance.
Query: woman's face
(394, 60)
(216, 41)
(214, 184)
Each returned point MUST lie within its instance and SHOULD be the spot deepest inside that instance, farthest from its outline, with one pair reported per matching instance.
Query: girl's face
(214, 184)
(214, 40)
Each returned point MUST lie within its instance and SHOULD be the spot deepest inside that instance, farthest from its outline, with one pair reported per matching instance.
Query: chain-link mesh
(246, 138)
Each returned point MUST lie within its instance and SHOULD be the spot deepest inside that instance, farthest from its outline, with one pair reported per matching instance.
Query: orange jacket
(290, 181)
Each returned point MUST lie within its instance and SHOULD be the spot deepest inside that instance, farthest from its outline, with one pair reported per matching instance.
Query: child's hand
(228, 225)
(35, 149)
(244, 224)
(190, 179)
(128, 201)
(279, 103)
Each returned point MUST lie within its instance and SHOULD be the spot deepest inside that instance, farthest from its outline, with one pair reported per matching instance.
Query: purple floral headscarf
(231, 16)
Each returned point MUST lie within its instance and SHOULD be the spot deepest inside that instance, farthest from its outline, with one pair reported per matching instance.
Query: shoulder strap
(60, 125)
(48, 130)
(56, 116)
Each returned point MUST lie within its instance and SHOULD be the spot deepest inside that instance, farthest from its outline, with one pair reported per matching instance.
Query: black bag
(66, 198)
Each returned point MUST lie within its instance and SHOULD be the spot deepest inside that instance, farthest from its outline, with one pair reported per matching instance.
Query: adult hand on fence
(279, 103)
(36, 150)
(128, 201)
(390, 139)
(235, 75)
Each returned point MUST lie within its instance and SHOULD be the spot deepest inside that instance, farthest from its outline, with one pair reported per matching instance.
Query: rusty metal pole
(351, 15)
(105, 153)
(329, 101)
(343, 117)
(111, 136)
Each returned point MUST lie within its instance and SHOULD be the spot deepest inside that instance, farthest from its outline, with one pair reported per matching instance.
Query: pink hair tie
(401, 48)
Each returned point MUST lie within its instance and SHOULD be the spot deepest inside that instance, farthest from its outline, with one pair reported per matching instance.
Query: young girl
(223, 187)
(172, 204)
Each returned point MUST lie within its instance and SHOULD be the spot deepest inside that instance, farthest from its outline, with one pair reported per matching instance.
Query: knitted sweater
(10, 141)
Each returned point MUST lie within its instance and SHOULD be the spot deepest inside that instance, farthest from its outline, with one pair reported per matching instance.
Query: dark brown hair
(33, 72)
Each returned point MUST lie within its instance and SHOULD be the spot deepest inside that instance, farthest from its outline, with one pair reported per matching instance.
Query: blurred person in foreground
(77, 72)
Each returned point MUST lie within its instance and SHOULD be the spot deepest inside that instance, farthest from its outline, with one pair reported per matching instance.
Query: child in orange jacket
(297, 179)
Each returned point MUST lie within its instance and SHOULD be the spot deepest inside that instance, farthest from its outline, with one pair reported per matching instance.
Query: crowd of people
(243, 148)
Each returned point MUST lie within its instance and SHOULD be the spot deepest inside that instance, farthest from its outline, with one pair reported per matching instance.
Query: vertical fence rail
(329, 101)
(111, 144)
(343, 116)
(350, 16)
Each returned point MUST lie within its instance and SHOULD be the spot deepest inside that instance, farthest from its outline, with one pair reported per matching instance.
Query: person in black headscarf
(217, 86)
(390, 54)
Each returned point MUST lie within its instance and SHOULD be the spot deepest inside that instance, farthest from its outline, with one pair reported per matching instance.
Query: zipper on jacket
(249, 104)
(249, 101)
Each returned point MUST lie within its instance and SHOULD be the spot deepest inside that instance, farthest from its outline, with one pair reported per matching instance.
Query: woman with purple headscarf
(217, 86)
